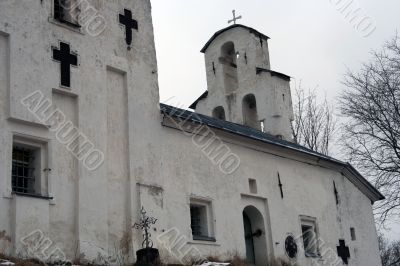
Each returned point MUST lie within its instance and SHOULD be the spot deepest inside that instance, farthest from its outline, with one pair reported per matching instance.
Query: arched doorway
(254, 235)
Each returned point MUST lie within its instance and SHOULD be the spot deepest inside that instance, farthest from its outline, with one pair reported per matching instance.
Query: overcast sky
(311, 40)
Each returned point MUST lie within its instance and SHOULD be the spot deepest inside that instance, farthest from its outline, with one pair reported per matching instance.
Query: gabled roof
(349, 171)
(259, 34)
(194, 104)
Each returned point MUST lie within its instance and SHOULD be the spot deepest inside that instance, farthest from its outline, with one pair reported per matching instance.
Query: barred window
(197, 216)
(29, 171)
(201, 221)
(23, 170)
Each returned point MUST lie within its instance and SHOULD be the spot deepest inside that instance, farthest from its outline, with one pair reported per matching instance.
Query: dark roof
(254, 134)
(259, 34)
(203, 96)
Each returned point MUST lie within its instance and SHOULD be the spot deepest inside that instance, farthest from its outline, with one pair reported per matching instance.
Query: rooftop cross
(234, 18)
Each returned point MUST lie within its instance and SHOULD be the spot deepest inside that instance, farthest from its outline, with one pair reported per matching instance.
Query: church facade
(85, 145)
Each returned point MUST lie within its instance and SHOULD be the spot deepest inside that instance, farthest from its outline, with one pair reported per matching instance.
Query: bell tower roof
(251, 30)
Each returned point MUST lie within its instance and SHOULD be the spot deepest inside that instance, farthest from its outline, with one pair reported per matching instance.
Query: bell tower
(242, 88)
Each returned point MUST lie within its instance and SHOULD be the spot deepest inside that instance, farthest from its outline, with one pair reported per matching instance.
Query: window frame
(40, 148)
(307, 221)
(209, 219)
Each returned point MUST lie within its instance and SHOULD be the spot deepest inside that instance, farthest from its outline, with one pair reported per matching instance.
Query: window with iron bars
(23, 178)
(196, 220)
(201, 220)
(67, 11)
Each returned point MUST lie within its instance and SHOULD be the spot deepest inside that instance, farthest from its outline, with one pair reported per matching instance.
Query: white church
(85, 144)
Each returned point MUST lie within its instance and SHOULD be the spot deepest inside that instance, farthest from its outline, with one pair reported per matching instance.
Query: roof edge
(273, 73)
(203, 96)
(254, 31)
(347, 169)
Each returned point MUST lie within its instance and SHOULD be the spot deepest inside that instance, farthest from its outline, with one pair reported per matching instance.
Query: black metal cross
(343, 251)
(145, 224)
(129, 23)
(280, 185)
(66, 59)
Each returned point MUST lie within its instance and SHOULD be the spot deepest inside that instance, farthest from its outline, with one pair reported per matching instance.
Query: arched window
(228, 60)
(250, 117)
(219, 113)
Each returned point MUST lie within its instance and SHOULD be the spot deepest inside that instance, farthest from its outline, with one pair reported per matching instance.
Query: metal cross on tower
(234, 18)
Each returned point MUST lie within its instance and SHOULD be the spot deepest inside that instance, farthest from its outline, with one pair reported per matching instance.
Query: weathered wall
(308, 191)
(113, 100)
(113, 90)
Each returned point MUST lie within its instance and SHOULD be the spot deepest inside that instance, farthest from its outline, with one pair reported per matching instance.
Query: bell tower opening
(219, 113)
(228, 60)
(250, 116)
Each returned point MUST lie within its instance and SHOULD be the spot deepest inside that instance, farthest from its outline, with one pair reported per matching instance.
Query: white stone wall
(114, 102)
(92, 210)
(308, 191)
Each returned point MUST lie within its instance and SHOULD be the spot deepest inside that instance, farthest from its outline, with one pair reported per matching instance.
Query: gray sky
(310, 40)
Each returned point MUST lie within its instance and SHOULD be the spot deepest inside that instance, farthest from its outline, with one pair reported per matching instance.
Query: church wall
(119, 211)
(113, 99)
(91, 209)
(308, 191)
(64, 184)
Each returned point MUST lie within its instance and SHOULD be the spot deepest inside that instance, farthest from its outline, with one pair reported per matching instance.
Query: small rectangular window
(201, 220)
(67, 11)
(28, 175)
(253, 186)
(310, 237)
(353, 234)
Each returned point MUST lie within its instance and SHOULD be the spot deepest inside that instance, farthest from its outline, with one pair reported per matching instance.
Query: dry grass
(22, 262)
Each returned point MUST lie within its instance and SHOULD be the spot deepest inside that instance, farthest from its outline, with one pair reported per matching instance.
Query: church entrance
(254, 235)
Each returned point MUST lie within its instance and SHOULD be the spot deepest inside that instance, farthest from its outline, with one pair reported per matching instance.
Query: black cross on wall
(343, 251)
(66, 59)
(129, 23)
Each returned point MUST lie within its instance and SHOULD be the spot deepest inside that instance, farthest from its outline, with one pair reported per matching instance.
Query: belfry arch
(249, 109)
(219, 113)
(228, 60)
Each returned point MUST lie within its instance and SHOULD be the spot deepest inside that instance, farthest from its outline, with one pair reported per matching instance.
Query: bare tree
(372, 134)
(390, 252)
(313, 124)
